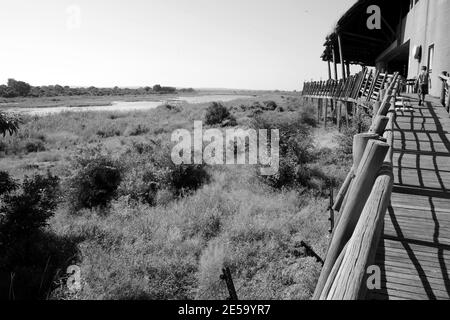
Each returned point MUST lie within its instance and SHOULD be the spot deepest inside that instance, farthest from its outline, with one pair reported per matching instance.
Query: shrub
(270, 105)
(133, 130)
(296, 152)
(95, 183)
(216, 114)
(169, 107)
(28, 210)
(187, 178)
(7, 184)
(35, 146)
(307, 116)
(142, 183)
(28, 249)
(149, 170)
(108, 132)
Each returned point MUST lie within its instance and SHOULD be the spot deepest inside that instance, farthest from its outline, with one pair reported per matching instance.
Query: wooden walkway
(414, 253)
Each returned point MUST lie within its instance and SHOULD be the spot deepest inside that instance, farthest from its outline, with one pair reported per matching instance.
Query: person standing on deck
(422, 84)
(445, 96)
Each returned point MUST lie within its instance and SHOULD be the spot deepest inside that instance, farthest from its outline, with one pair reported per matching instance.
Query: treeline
(15, 89)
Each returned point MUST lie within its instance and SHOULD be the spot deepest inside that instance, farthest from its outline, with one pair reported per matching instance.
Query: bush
(109, 131)
(270, 105)
(35, 146)
(25, 212)
(217, 114)
(7, 184)
(95, 183)
(29, 251)
(3, 146)
(149, 170)
(142, 183)
(296, 152)
(186, 178)
(307, 116)
(133, 130)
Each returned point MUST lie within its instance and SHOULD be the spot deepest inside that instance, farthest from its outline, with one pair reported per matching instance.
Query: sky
(239, 44)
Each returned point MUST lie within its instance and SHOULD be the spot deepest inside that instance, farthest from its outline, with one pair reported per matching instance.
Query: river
(125, 106)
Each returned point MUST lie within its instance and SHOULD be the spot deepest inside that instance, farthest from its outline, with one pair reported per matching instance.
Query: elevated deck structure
(393, 210)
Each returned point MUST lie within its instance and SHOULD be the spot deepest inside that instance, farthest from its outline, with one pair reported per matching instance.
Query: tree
(157, 88)
(21, 88)
(8, 124)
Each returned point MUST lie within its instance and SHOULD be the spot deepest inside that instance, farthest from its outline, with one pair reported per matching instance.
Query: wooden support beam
(319, 109)
(335, 64)
(339, 114)
(341, 54)
(329, 70)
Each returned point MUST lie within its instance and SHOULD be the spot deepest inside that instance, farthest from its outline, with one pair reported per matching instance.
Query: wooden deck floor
(414, 253)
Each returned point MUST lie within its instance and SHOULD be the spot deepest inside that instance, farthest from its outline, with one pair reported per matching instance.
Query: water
(123, 106)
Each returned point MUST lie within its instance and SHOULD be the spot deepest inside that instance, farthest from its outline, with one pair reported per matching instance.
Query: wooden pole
(360, 191)
(331, 219)
(339, 114)
(230, 285)
(325, 114)
(329, 70)
(335, 64)
(346, 113)
(319, 110)
(341, 54)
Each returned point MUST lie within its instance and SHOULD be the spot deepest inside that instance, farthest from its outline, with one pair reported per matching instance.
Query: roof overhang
(361, 45)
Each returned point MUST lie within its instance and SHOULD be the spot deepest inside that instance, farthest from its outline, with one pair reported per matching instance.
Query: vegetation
(95, 182)
(141, 227)
(8, 124)
(217, 113)
(22, 89)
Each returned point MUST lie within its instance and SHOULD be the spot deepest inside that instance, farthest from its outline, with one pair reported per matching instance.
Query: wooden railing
(344, 97)
(365, 86)
(365, 195)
